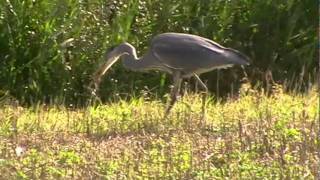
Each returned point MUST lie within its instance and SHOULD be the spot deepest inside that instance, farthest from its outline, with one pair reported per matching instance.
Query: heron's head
(111, 48)
(112, 54)
(238, 57)
(116, 51)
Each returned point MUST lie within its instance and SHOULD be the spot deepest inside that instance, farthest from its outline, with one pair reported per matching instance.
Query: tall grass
(48, 49)
(254, 136)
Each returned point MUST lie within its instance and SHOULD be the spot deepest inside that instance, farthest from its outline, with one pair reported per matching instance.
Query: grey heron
(181, 55)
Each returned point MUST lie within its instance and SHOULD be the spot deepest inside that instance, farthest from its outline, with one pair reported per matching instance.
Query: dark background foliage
(49, 49)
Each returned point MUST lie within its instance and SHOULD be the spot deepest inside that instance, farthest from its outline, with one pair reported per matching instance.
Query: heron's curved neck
(129, 57)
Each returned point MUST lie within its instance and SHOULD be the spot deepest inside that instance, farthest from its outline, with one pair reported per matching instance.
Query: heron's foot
(167, 112)
(203, 120)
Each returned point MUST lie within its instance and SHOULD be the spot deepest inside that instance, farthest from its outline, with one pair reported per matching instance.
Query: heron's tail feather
(236, 57)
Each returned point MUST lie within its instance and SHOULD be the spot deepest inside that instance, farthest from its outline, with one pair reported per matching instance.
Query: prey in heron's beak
(111, 56)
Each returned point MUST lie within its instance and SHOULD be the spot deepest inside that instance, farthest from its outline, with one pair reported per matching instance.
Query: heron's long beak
(102, 70)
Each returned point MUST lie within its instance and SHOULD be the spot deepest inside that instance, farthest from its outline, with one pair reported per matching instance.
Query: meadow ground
(252, 136)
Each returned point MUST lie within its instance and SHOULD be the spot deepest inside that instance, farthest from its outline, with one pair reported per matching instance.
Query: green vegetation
(50, 128)
(49, 49)
(252, 136)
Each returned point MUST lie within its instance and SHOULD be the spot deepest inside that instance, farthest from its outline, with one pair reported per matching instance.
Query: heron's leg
(204, 95)
(174, 92)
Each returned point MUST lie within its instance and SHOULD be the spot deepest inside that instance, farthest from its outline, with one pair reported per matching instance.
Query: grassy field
(251, 136)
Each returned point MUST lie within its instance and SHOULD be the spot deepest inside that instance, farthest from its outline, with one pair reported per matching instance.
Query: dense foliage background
(49, 49)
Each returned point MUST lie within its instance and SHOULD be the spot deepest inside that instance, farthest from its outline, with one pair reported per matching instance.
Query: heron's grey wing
(188, 52)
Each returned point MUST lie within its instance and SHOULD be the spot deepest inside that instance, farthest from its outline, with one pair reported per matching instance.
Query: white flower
(20, 150)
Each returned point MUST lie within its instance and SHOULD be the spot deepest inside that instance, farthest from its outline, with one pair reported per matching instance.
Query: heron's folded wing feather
(187, 52)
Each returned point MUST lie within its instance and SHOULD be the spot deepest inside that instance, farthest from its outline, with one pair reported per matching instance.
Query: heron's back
(189, 53)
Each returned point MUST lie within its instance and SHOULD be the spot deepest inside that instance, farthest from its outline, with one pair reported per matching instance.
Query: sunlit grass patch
(249, 136)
